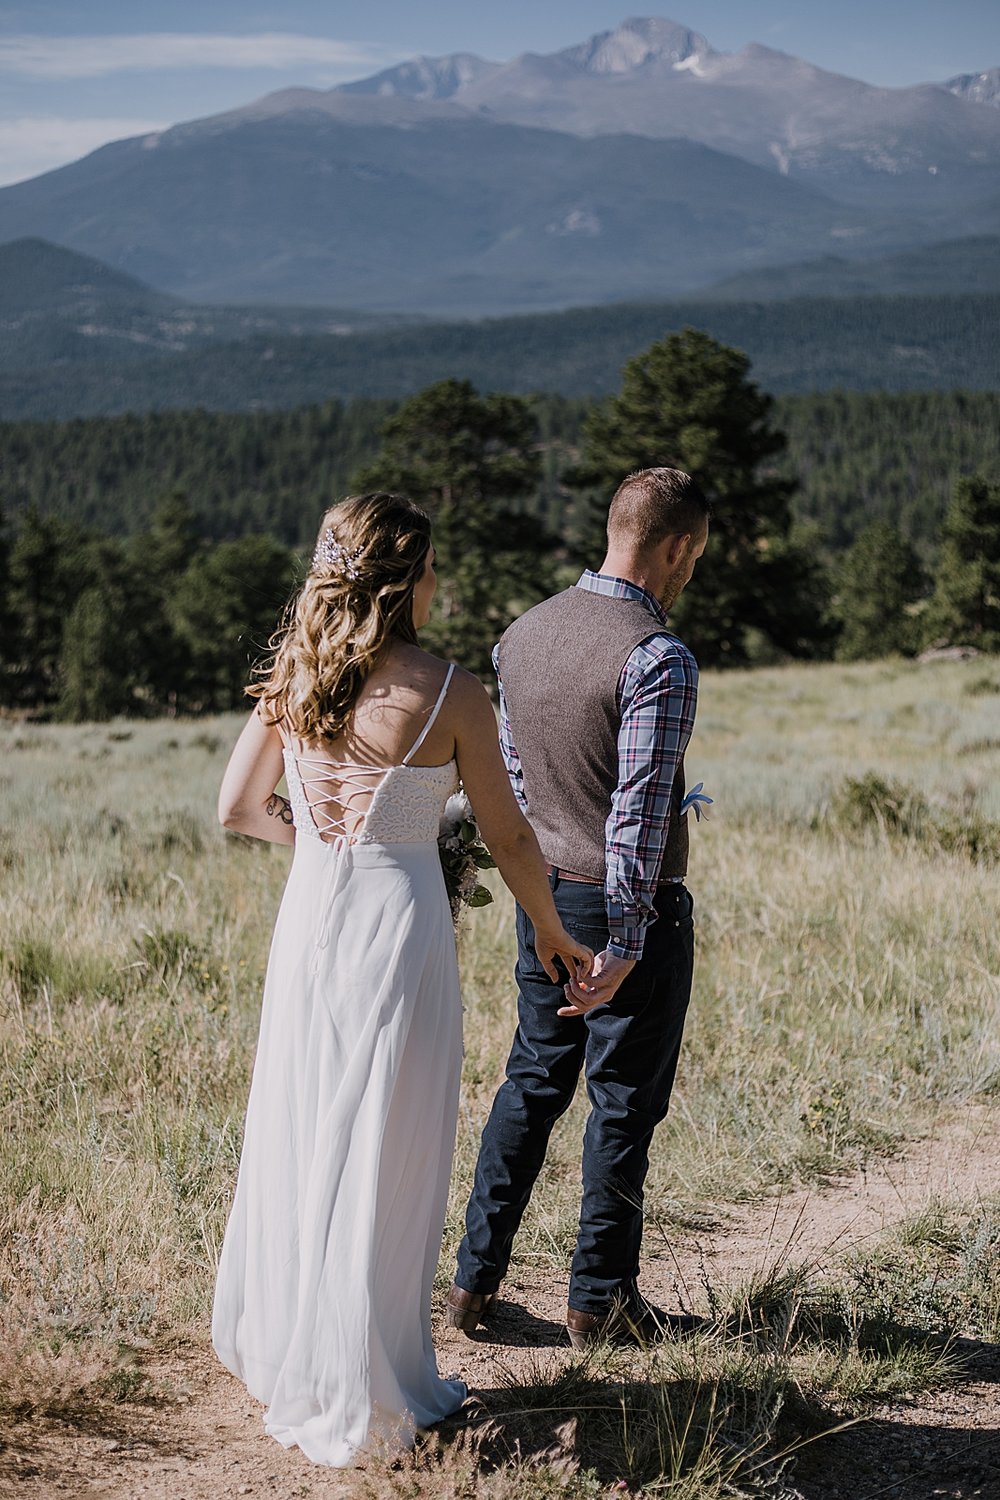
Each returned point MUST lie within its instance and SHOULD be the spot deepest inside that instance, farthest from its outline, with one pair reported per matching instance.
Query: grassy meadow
(847, 990)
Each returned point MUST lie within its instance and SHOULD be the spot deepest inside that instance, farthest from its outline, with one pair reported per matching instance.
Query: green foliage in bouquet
(463, 855)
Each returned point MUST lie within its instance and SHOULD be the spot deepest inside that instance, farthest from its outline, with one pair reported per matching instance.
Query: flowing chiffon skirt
(322, 1304)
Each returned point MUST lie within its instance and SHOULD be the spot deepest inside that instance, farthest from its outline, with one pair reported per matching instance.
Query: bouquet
(463, 855)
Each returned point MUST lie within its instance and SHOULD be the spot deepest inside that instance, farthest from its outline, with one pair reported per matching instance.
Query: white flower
(456, 810)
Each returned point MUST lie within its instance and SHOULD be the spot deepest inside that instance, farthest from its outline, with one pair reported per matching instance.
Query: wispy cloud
(96, 56)
(37, 143)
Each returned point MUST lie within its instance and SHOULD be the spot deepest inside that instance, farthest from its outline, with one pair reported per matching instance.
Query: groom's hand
(598, 987)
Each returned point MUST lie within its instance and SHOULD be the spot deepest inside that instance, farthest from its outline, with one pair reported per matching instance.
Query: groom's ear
(676, 547)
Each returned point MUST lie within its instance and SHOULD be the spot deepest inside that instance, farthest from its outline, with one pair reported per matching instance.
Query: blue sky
(77, 73)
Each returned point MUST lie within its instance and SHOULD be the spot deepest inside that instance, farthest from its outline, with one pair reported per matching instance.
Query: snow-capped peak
(978, 88)
(637, 41)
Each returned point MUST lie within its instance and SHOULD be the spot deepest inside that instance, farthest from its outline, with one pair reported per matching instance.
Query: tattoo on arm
(280, 807)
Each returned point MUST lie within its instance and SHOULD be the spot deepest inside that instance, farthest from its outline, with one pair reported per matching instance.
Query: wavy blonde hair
(356, 600)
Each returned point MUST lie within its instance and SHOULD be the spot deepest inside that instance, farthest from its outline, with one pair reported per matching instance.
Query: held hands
(584, 992)
(577, 958)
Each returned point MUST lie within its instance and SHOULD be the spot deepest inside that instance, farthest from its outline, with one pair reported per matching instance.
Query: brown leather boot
(628, 1324)
(466, 1310)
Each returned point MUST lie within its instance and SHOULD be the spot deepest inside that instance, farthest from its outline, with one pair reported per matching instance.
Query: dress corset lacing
(405, 806)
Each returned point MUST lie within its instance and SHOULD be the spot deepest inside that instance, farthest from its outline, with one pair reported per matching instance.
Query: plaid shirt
(657, 698)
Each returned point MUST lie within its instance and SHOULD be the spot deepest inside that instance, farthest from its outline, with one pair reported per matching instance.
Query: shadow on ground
(752, 1430)
(903, 1455)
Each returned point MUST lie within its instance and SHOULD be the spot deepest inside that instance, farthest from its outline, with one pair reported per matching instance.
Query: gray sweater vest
(560, 665)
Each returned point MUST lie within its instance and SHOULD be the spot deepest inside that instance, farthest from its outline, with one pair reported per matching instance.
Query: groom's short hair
(652, 504)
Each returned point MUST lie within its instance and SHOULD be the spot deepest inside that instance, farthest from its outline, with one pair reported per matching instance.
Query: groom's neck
(639, 570)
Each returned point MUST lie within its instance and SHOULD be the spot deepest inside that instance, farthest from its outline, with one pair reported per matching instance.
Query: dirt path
(202, 1439)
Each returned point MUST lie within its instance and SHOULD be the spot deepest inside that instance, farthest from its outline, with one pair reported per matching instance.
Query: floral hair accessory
(333, 555)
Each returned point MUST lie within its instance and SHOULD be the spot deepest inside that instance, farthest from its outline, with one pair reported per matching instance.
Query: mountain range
(913, 147)
(641, 164)
(452, 216)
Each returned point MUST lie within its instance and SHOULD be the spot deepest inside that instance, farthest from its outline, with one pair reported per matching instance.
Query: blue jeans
(628, 1050)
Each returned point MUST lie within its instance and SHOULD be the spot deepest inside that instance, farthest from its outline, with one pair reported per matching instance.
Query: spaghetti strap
(433, 715)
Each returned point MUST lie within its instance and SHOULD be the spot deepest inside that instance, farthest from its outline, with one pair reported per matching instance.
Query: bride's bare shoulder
(415, 660)
(467, 685)
(410, 662)
(403, 651)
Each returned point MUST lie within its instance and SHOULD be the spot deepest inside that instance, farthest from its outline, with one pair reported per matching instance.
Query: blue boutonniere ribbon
(697, 802)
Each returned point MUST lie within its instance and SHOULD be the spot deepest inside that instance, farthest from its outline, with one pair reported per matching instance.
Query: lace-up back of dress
(336, 801)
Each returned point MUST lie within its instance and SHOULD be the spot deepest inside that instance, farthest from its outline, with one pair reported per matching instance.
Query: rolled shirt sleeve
(507, 747)
(658, 694)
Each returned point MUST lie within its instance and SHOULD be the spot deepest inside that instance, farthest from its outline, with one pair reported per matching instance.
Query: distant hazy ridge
(82, 340)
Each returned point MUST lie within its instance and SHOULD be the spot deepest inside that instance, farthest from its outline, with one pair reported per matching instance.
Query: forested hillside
(954, 266)
(858, 458)
(864, 457)
(807, 344)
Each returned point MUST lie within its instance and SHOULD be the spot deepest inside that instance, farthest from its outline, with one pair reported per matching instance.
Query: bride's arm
(504, 829)
(248, 802)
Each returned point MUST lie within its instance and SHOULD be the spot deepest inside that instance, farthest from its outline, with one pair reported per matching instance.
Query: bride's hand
(577, 959)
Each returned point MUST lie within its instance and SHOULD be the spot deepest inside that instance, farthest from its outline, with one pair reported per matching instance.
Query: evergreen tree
(687, 403)
(7, 622)
(105, 663)
(160, 558)
(172, 539)
(469, 460)
(100, 662)
(965, 606)
(51, 563)
(878, 579)
(223, 610)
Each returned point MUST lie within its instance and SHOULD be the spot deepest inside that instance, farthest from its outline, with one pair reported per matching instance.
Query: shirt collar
(621, 588)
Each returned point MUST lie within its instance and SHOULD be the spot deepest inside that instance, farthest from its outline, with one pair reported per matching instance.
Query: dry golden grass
(848, 982)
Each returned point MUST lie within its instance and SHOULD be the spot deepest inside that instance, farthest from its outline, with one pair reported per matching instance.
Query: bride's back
(396, 721)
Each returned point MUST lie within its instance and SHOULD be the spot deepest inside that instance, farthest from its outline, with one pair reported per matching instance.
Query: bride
(322, 1306)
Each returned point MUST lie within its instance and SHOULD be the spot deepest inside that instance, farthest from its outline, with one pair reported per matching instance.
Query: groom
(597, 701)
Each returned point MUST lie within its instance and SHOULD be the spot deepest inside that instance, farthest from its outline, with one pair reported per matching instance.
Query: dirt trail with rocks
(202, 1439)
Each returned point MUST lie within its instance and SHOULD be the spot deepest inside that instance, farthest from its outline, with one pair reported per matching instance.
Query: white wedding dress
(322, 1306)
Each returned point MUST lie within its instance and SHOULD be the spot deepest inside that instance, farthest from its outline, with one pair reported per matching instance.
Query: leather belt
(569, 875)
(562, 874)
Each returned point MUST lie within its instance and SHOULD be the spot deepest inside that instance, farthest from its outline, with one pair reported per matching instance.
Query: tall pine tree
(100, 663)
(51, 563)
(162, 556)
(688, 403)
(7, 624)
(470, 460)
(965, 606)
(878, 579)
(223, 610)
